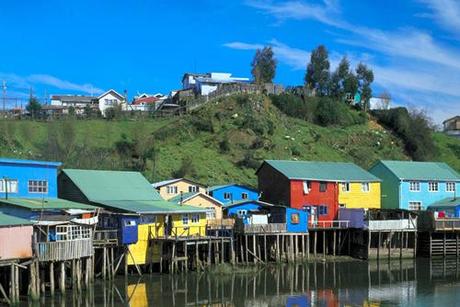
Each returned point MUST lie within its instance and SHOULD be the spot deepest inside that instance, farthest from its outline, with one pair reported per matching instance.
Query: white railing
(405, 224)
(328, 224)
(262, 228)
(447, 224)
(64, 250)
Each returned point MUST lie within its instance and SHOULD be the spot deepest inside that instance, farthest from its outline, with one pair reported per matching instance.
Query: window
(227, 195)
(184, 219)
(414, 186)
(244, 195)
(195, 218)
(365, 187)
(450, 186)
(12, 185)
(172, 189)
(322, 210)
(322, 186)
(346, 187)
(415, 205)
(193, 188)
(241, 212)
(211, 214)
(130, 223)
(295, 218)
(306, 187)
(433, 186)
(38, 186)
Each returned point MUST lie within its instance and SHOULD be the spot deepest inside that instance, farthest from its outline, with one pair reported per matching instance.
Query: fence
(64, 250)
(404, 224)
(178, 232)
(328, 224)
(261, 228)
(105, 237)
(447, 224)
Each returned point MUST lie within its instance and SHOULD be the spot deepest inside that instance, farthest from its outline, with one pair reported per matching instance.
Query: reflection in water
(355, 283)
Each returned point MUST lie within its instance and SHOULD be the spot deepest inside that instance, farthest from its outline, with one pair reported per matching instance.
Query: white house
(204, 84)
(78, 102)
(109, 99)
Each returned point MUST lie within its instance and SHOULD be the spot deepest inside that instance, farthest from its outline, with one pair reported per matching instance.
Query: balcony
(449, 224)
(105, 237)
(65, 250)
(261, 228)
(391, 225)
(328, 224)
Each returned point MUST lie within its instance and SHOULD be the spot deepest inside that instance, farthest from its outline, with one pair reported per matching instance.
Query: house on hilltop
(110, 99)
(452, 126)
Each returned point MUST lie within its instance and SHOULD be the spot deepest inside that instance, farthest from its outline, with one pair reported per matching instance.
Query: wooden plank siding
(65, 250)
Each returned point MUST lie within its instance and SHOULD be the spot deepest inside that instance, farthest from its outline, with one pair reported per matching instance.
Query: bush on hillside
(249, 161)
(413, 128)
(335, 113)
(291, 105)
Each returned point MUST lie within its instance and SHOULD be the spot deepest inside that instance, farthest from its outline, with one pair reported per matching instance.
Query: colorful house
(200, 200)
(415, 185)
(175, 187)
(450, 207)
(318, 187)
(259, 212)
(231, 193)
(128, 199)
(15, 238)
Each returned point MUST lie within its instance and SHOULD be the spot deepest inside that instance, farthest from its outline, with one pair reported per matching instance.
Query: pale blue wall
(23, 172)
(427, 198)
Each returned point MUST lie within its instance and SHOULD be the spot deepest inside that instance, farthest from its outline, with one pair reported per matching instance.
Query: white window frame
(415, 202)
(414, 186)
(306, 186)
(451, 186)
(34, 186)
(367, 185)
(185, 219)
(345, 187)
(13, 185)
(171, 189)
(193, 188)
(431, 185)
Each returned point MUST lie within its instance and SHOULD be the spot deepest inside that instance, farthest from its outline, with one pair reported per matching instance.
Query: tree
(317, 74)
(33, 107)
(88, 111)
(263, 66)
(365, 78)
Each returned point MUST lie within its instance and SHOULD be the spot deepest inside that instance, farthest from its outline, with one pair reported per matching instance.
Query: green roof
(446, 202)
(150, 206)
(177, 198)
(421, 170)
(8, 220)
(322, 171)
(99, 185)
(46, 203)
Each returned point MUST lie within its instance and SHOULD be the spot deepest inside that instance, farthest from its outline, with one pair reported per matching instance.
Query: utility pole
(4, 95)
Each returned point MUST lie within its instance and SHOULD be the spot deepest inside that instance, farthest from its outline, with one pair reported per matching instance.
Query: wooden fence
(105, 237)
(447, 224)
(328, 224)
(64, 250)
(261, 228)
(394, 225)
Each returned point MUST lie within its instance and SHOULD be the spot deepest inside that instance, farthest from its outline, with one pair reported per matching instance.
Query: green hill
(224, 141)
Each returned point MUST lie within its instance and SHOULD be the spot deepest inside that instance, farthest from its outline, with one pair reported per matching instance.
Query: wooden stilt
(62, 279)
(265, 248)
(315, 242)
(324, 243)
(52, 278)
(334, 242)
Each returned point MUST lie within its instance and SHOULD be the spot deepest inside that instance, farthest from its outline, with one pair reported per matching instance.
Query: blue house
(449, 206)
(28, 179)
(296, 220)
(232, 193)
(415, 185)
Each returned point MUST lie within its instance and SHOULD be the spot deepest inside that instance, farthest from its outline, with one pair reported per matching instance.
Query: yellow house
(175, 221)
(364, 194)
(174, 187)
(201, 200)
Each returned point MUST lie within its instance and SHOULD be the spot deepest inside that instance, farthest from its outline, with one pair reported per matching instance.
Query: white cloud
(293, 57)
(446, 13)
(26, 82)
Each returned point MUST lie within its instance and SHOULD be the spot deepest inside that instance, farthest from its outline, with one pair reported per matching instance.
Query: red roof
(145, 100)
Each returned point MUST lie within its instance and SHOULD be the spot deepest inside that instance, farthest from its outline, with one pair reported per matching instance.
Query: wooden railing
(221, 224)
(447, 224)
(105, 237)
(404, 224)
(328, 224)
(64, 250)
(178, 232)
(261, 228)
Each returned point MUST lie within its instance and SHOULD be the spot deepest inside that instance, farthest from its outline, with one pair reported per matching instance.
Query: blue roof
(218, 187)
(29, 162)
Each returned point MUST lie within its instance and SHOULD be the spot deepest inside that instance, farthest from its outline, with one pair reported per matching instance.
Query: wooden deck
(105, 237)
(447, 224)
(392, 225)
(271, 228)
(328, 225)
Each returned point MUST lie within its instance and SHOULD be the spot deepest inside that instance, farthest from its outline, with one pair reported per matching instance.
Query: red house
(313, 186)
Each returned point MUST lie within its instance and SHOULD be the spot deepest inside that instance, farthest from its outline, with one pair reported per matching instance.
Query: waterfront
(355, 283)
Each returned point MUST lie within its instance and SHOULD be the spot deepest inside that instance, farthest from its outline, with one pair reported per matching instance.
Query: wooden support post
(401, 240)
(308, 246)
(282, 247)
(222, 250)
(209, 252)
(456, 245)
(246, 248)
(334, 242)
(126, 260)
(278, 253)
(265, 248)
(197, 256)
(62, 279)
(369, 239)
(52, 278)
(296, 247)
(12, 285)
(444, 250)
(390, 237)
(340, 243)
(315, 243)
(186, 255)
(349, 242)
(104, 263)
(173, 258)
(379, 244)
(254, 249)
(292, 247)
(324, 243)
(33, 281)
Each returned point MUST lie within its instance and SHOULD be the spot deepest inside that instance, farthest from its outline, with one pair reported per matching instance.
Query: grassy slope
(176, 139)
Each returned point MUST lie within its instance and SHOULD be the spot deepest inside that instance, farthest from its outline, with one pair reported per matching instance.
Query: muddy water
(408, 283)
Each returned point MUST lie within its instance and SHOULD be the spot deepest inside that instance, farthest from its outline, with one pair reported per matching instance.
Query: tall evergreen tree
(365, 78)
(33, 107)
(317, 75)
(264, 66)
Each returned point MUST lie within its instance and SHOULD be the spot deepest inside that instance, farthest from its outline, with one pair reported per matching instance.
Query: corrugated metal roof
(183, 196)
(112, 185)
(164, 182)
(46, 203)
(421, 170)
(30, 162)
(323, 171)
(150, 206)
(9, 220)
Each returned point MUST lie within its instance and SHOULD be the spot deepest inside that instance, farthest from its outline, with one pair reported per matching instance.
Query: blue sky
(145, 46)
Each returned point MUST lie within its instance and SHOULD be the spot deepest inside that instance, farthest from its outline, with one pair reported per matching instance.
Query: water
(407, 283)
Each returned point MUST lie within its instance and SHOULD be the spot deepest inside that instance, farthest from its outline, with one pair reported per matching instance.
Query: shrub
(249, 161)
(224, 146)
